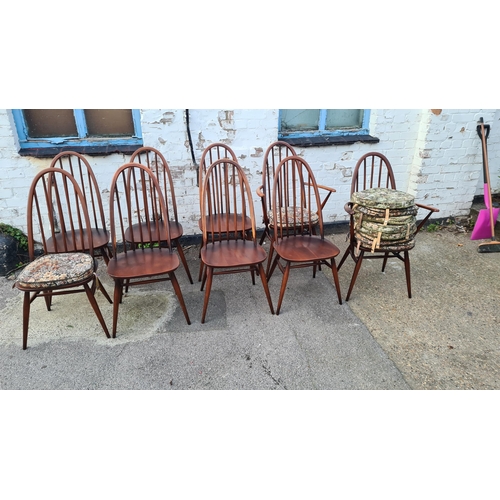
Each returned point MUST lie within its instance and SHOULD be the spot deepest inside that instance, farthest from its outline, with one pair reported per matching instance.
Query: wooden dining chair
(226, 203)
(373, 170)
(275, 153)
(58, 220)
(145, 255)
(212, 153)
(154, 160)
(297, 210)
(78, 166)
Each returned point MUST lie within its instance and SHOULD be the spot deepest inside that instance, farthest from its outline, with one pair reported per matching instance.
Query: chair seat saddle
(292, 217)
(56, 270)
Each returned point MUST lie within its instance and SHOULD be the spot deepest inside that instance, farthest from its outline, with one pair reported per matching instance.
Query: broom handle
(487, 178)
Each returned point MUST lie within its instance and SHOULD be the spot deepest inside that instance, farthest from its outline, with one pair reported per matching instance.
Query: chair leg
(384, 263)
(117, 298)
(183, 260)
(95, 306)
(273, 267)
(283, 286)
(204, 278)
(26, 318)
(200, 273)
(263, 237)
(262, 275)
(209, 276)
(180, 298)
(355, 274)
(344, 257)
(269, 259)
(336, 279)
(407, 272)
(100, 286)
(105, 254)
(48, 299)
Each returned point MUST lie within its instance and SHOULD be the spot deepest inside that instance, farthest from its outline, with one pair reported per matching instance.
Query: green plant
(433, 227)
(21, 238)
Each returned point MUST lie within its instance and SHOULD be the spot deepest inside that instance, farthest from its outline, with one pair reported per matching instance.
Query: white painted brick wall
(436, 157)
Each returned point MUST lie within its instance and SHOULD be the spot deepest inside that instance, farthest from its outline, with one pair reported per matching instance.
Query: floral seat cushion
(293, 217)
(55, 270)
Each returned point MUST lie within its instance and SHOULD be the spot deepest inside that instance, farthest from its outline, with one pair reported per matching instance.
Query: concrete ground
(445, 337)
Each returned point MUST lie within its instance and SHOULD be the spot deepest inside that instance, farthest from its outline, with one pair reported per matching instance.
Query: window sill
(49, 152)
(328, 140)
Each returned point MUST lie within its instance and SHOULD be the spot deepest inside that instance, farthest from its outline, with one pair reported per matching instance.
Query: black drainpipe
(192, 149)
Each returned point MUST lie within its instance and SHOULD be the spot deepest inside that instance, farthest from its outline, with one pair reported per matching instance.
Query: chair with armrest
(297, 210)
(373, 170)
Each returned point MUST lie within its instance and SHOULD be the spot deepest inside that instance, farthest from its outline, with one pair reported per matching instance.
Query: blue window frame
(316, 127)
(332, 122)
(80, 132)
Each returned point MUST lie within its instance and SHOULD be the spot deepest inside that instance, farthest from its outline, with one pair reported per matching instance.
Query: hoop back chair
(136, 199)
(371, 171)
(212, 153)
(226, 203)
(58, 218)
(297, 210)
(275, 153)
(78, 166)
(154, 160)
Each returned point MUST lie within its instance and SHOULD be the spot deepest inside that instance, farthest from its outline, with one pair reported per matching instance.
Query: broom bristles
(491, 246)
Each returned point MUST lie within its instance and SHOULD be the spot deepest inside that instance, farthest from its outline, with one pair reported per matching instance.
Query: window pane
(109, 122)
(344, 118)
(50, 122)
(299, 119)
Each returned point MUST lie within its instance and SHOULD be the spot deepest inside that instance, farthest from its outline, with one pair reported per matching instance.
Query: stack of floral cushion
(384, 219)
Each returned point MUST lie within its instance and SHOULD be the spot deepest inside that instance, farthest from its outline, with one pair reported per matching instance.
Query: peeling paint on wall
(226, 120)
(258, 153)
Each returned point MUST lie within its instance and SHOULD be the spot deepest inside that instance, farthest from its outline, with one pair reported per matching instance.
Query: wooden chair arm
(348, 208)
(431, 210)
(260, 192)
(327, 188)
(427, 207)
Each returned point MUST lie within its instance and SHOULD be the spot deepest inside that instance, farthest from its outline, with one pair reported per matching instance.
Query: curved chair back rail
(156, 162)
(298, 232)
(145, 255)
(228, 245)
(58, 218)
(78, 166)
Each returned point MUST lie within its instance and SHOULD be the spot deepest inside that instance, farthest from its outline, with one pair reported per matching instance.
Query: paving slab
(314, 343)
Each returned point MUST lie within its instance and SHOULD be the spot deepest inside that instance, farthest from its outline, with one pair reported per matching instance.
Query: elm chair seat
(58, 219)
(227, 221)
(298, 234)
(142, 263)
(226, 192)
(99, 236)
(156, 162)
